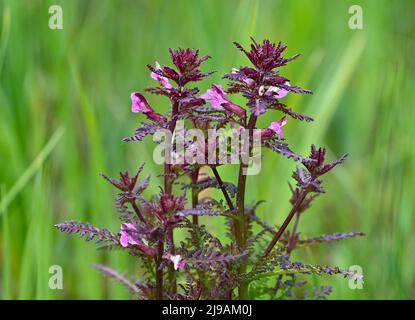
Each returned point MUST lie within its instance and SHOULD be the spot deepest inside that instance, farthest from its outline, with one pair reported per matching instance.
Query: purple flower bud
(250, 82)
(234, 109)
(169, 203)
(267, 133)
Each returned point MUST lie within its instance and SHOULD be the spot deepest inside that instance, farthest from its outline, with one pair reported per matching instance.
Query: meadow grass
(64, 108)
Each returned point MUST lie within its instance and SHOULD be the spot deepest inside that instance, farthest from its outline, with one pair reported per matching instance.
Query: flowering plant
(202, 266)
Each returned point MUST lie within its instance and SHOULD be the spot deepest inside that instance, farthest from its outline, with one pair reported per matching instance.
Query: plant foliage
(200, 266)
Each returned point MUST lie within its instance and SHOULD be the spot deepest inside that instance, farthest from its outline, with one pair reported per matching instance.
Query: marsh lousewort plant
(246, 265)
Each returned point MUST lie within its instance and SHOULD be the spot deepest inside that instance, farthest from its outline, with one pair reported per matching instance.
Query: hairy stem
(285, 223)
(222, 187)
(159, 270)
(168, 188)
(240, 225)
(290, 247)
(167, 166)
(230, 204)
(195, 176)
(291, 244)
(137, 211)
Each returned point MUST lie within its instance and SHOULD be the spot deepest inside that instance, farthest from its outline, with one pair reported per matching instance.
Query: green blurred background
(64, 108)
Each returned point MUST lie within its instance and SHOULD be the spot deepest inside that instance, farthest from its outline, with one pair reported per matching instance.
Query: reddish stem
(159, 271)
(240, 225)
(137, 211)
(222, 187)
(195, 176)
(168, 189)
(285, 223)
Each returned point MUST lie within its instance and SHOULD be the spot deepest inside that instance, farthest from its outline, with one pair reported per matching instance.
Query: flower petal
(215, 95)
(124, 239)
(277, 126)
(139, 103)
(178, 261)
(164, 82)
(277, 92)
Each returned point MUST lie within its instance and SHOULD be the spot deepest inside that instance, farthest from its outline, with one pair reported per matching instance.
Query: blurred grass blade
(31, 170)
(4, 36)
(326, 101)
(7, 256)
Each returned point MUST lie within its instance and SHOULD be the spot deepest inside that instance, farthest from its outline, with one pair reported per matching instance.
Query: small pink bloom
(217, 98)
(163, 80)
(178, 261)
(126, 238)
(139, 103)
(215, 95)
(277, 126)
(277, 92)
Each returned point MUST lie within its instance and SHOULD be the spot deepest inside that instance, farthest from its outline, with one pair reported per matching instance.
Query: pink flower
(178, 261)
(164, 82)
(277, 126)
(126, 238)
(139, 103)
(277, 92)
(217, 98)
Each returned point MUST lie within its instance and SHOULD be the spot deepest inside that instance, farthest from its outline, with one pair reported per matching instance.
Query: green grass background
(64, 108)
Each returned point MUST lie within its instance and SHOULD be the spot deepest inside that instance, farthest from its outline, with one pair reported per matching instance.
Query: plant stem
(137, 211)
(195, 220)
(290, 247)
(195, 176)
(291, 244)
(168, 189)
(286, 223)
(240, 225)
(230, 204)
(167, 166)
(159, 271)
(222, 187)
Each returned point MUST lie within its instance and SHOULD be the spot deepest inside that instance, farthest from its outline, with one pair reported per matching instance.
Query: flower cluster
(199, 265)
(262, 84)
